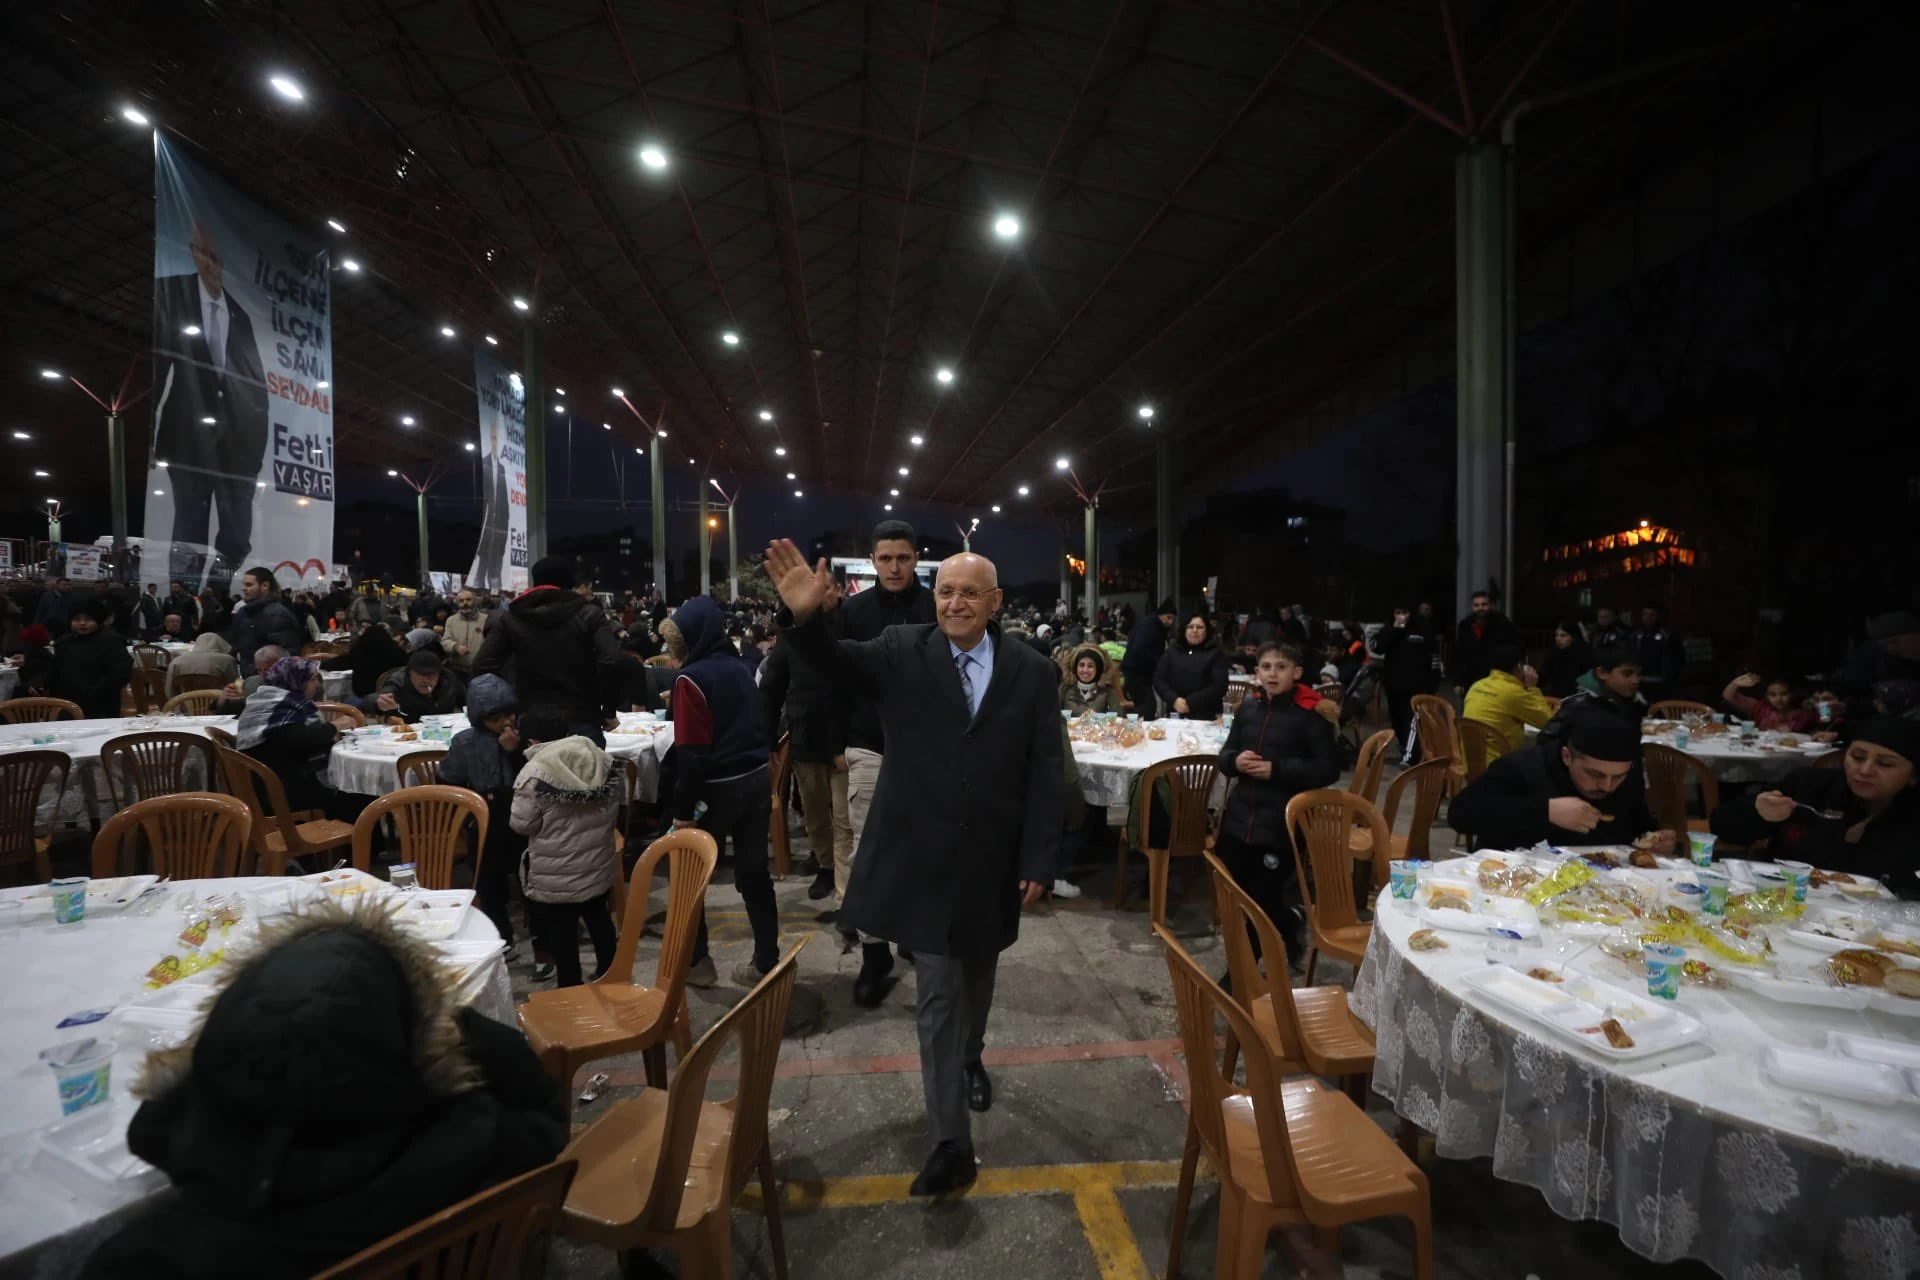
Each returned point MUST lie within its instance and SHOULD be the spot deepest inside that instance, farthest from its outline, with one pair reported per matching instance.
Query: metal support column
(1066, 573)
(706, 547)
(733, 550)
(1166, 482)
(533, 383)
(1480, 262)
(117, 471)
(658, 500)
(420, 500)
(1093, 563)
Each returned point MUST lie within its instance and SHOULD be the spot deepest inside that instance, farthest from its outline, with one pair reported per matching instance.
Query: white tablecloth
(87, 796)
(1107, 773)
(645, 742)
(56, 970)
(1733, 762)
(367, 764)
(1691, 1154)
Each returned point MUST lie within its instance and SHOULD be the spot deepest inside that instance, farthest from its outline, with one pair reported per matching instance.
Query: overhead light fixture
(471, 447)
(1023, 491)
(779, 451)
(559, 408)
(50, 373)
(916, 441)
(653, 157)
(766, 415)
(520, 304)
(192, 331)
(792, 476)
(159, 493)
(731, 338)
(21, 435)
(53, 502)
(996, 508)
(406, 419)
(690, 462)
(943, 375)
(348, 264)
(492, 341)
(716, 485)
(894, 492)
(1006, 226)
(637, 449)
(208, 419)
(1061, 463)
(903, 471)
(42, 474)
(392, 472)
(161, 463)
(323, 384)
(1146, 412)
(661, 434)
(337, 225)
(796, 493)
(446, 331)
(133, 115)
(618, 394)
(606, 426)
(886, 506)
(288, 88)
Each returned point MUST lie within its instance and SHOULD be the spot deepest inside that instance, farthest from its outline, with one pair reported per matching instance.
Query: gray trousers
(955, 997)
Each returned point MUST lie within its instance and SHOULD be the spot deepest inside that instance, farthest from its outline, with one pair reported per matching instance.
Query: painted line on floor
(1160, 1052)
(1109, 1235)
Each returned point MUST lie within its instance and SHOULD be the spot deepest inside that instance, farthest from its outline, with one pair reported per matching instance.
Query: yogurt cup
(83, 1071)
(69, 899)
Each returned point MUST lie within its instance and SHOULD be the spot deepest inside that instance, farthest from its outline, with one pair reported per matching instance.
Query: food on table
(1565, 877)
(1156, 734)
(1426, 940)
(1904, 983)
(1449, 902)
(1493, 873)
(1788, 740)
(1602, 859)
(1521, 879)
(1903, 946)
(1859, 967)
(1818, 878)
(1616, 1034)
(1645, 840)
(1704, 974)
(1544, 975)
(1710, 730)
(1642, 858)
(195, 934)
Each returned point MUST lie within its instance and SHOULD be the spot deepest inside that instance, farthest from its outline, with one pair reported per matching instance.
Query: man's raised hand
(803, 590)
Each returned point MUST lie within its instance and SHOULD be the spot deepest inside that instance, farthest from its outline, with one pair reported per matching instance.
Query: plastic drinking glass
(1403, 878)
(83, 1070)
(1700, 847)
(69, 899)
(1663, 970)
(1713, 892)
(1681, 737)
(1799, 875)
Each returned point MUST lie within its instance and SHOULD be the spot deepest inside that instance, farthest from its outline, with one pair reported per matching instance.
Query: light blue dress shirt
(979, 668)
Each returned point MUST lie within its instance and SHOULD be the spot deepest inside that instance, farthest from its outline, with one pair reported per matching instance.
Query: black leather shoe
(822, 886)
(872, 984)
(949, 1168)
(979, 1089)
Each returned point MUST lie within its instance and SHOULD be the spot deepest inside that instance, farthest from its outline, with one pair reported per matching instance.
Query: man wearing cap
(1587, 791)
(424, 688)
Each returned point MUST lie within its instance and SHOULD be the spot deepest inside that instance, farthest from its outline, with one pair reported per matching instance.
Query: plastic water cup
(1799, 875)
(1403, 877)
(1713, 892)
(83, 1070)
(1700, 847)
(69, 899)
(1681, 737)
(1663, 970)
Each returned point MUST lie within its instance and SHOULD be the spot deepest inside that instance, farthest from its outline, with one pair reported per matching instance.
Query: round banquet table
(1690, 1154)
(1107, 772)
(367, 763)
(87, 796)
(56, 970)
(1734, 761)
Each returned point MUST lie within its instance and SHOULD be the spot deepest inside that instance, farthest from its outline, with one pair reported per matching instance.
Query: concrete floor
(1081, 1150)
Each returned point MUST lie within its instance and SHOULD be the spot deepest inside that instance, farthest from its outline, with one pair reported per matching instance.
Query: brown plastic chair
(190, 683)
(420, 767)
(1319, 821)
(430, 822)
(1668, 771)
(39, 710)
(219, 737)
(660, 660)
(1236, 694)
(1428, 782)
(568, 1027)
(329, 710)
(1434, 731)
(191, 835)
(197, 702)
(140, 766)
(1288, 1152)
(1191, 780)
(661, 1170)
(277, 833)
(148, 689)
(781, 767)
(150, 657)
(1675, 708)
(1370, 764)
(502, 1233)
(23, 777)
(1480, 745)
(380, 682)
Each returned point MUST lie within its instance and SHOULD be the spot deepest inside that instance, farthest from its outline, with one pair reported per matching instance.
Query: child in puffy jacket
(566, 802)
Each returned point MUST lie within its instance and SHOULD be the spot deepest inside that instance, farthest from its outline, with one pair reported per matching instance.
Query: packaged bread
(1904, 983)
(1426, 940)
(1859, 967)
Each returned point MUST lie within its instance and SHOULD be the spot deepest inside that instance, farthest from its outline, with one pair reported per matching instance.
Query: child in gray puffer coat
(566, 801)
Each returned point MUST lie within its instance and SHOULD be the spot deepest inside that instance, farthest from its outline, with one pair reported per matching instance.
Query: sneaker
(544, 971)
(1065, 889)
(746, 974)
(702, 974)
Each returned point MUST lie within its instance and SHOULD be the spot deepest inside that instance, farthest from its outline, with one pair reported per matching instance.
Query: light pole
(733, 543)
(966, 533)
(116, 458)
(657, 488)
(1092, 500)
(420, 488)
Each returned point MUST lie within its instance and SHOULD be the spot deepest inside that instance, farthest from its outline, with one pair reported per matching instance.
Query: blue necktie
(963, 661)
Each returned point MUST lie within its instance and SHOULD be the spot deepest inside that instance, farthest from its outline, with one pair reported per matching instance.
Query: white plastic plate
(1573, 1009)
(434, 913)
(1799, 987)
(1894, 1053)
(87, 1152)
(1816, 1072)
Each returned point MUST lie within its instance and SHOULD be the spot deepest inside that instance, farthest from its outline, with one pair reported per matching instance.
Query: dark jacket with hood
(863, 616)
(814, 701)
(717, 731)
(1888, 848)
(1298, 741)
(333, 1095)
(1590, 698)
(1407, 654)
(264, 621)
(1145, 645)
(1196, 673)
(563, 652)
(475, 760)
(91, 670)
(1506, 807)
(373, 653)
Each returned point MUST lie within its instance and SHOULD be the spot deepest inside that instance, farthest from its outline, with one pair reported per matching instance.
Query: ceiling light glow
(492, 341)
(1023, 491)
(653, 157)
(520, 304)
(406, 419)
(731, 338)
(766, 415)
(916, 441)
(348, 264)
(1006, 226)
(50, 373)
(133, 115)
(1146, 412)
(943, 375)
(1061, 464)
(288, 88)
(337, 225)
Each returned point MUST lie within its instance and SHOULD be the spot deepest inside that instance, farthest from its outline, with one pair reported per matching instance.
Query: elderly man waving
(965, 824)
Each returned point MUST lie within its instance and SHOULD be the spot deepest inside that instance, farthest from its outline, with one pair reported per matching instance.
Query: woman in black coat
(92, 663)
(1191, 677)
(372, 654)
(1570, 658)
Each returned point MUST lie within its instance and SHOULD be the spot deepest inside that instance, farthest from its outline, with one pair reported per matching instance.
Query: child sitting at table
(1612, 688)
(487, 760)
(565, 802)
(1779, 711)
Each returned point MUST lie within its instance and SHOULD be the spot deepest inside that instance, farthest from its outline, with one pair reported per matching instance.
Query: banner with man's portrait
(241, 468)
(500, 561)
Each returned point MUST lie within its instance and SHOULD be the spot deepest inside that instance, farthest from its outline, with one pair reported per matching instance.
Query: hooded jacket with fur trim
(564, 802)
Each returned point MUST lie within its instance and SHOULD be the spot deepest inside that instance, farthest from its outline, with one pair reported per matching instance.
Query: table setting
(86, 797)
(1111, 749)
(105, 971)
(1718, 1056)
(643, 737)
(365, 760)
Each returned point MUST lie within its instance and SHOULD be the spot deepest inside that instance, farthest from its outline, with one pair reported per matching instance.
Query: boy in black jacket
(1278, 747)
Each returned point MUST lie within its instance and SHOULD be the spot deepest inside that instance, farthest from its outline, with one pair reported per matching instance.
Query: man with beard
(1587, 791)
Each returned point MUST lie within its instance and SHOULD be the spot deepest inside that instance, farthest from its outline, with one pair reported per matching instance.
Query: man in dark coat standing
(1145, 645)
(965, 824)
(1480, 632)
(262, 619)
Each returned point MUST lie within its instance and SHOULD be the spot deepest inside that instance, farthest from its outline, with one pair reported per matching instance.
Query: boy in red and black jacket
(1278, 747)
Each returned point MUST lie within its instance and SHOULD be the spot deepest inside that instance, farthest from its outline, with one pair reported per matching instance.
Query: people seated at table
(425, 640)
(1506, 700)
(91, 664)
(1191, 677)
(1862, 819)
(174, 630)
(1570, 658)
(1279, 745)
(424, 687)
(334, 1094)
(486, 760)
(565, 802)
(1612, 688)
(36, 658)
(1086, 689)
(1588, 790)
(373, 653)
(1780, 711)
(211, 655)
(282, 728)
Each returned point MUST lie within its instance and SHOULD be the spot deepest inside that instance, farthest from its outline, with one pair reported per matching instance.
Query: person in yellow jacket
(1506, 699)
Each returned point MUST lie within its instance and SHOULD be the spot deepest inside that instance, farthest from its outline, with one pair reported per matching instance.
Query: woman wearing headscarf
(1191, 677)
(282, 728)
(36, 658)
(1877, 830)
(1085, 688)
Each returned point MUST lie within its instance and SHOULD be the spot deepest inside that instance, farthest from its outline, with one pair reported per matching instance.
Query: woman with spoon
(1862, 818)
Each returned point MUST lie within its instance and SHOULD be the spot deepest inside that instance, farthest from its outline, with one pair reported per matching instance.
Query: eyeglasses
(972, 595)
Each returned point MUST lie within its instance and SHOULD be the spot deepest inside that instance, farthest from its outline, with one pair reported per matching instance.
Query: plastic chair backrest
(140, 766)
(191, 835)
(1480, 745)
(430, 823)
(1190, 778)
(23, 776)
(1370, 764)
(247, 779)
(39, 710)
(191, 683)
(332, 709)
(150, 657)
(420, 767)
(1250, 981)
(660, 660)
(1675, 708)
(504, 1231)
(1433, 726)
(1197, 1000)
(196, 702)
(1320, 823)
(1428, 781)
(691, 855)
(1667, 773)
